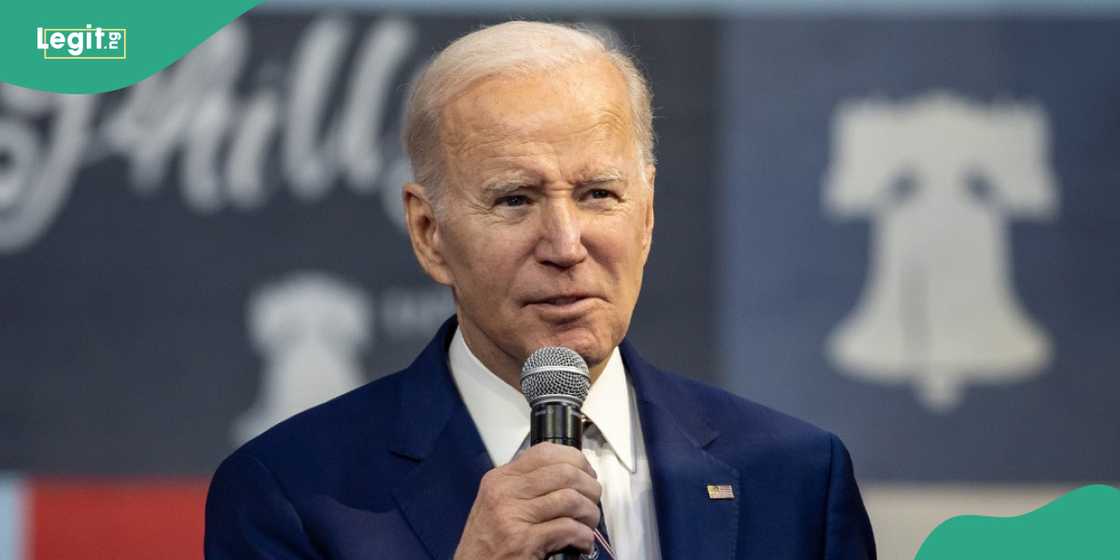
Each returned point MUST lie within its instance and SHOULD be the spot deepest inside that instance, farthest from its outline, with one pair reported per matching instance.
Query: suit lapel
(437, 432)
(691, 524)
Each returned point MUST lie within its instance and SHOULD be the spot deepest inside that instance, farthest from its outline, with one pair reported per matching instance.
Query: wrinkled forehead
(567, 108)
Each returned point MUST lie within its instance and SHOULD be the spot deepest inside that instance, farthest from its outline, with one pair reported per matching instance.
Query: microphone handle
(557, 423)
(561, 424)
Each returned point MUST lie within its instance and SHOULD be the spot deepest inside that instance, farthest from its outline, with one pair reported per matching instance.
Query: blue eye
(513, 201)
(600, 193)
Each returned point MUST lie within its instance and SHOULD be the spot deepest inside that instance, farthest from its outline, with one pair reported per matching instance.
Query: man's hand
(542, 502)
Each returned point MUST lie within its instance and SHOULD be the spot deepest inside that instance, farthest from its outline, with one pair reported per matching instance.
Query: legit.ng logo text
(88, 43)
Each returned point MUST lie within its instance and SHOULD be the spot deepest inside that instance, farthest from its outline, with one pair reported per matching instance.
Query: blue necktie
(603, 549)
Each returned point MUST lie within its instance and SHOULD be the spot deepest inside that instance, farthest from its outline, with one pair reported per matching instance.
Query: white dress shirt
(613, 445)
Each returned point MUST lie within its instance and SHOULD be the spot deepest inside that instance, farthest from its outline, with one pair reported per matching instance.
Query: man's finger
(565, 503)
(543, 454)
(560, 533)
(550, 478)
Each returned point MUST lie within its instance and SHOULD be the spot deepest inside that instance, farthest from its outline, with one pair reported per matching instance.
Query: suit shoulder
(746, 419)
(776, 448)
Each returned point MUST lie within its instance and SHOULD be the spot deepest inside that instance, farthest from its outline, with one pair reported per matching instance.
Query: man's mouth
(564, 300)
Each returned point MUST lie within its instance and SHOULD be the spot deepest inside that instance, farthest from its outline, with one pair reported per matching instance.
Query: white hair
(511, 48)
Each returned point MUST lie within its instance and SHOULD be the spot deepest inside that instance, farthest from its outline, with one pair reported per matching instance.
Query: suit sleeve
(848, 529)
(248, 516)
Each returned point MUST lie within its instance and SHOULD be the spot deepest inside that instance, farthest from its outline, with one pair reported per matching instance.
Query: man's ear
(423, 232)
(647, 233)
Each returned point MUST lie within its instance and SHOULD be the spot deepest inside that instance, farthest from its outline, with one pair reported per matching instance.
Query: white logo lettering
(95, 43)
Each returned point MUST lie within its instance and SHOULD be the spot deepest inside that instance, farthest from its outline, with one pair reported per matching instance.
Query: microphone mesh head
(555, 374)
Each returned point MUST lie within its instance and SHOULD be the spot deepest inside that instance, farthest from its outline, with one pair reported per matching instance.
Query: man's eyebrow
(603, 176)
(506, 183)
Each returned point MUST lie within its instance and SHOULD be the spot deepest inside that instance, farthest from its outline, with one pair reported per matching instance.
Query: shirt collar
(608, 406)
(501, 413)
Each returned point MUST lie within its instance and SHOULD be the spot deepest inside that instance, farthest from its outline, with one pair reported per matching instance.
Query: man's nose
(561, 242)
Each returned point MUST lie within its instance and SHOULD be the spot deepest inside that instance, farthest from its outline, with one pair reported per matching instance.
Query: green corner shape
(1081, 525)
(152, 35)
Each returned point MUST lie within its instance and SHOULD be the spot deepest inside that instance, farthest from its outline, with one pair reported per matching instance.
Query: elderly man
(532, 148)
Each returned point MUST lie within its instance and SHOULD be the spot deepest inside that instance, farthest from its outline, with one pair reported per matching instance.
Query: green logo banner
(1083, 524)
(72, 46)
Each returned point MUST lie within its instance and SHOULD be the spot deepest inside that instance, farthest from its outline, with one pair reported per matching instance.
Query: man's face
(547, 213)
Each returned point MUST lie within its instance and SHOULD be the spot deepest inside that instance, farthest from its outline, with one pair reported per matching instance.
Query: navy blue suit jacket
(390, 470)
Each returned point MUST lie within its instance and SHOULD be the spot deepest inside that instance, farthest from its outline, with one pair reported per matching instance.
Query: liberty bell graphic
(310, 329)
(939, 177)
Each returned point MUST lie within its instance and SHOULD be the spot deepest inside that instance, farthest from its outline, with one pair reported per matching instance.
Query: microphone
(555, 381)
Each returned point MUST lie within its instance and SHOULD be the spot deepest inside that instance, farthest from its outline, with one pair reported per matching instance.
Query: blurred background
(899, 221)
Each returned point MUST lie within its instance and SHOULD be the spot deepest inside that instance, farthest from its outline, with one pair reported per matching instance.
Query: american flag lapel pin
(720, 492)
